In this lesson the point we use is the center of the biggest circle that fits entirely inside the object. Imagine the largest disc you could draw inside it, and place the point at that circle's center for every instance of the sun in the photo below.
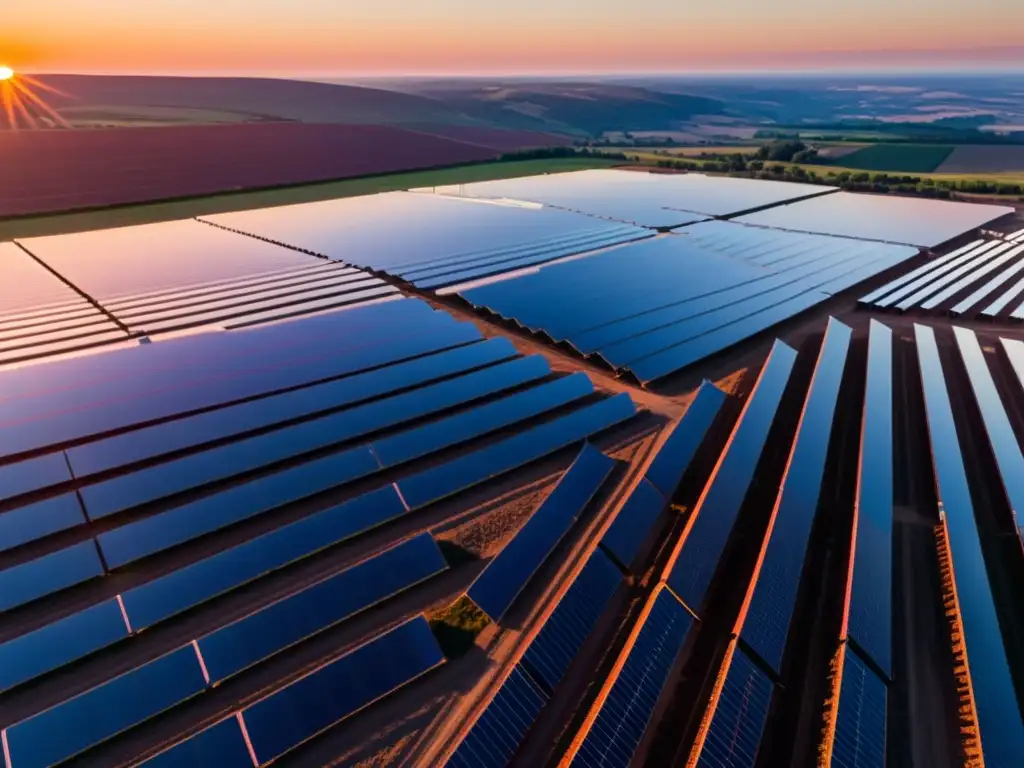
(6, 73)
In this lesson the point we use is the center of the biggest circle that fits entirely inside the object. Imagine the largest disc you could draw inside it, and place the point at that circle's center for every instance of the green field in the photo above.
(897, 158)
(239, 201)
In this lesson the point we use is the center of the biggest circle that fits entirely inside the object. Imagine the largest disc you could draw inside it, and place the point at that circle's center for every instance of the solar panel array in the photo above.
(440, 241)
(654, 308)
(982, 279)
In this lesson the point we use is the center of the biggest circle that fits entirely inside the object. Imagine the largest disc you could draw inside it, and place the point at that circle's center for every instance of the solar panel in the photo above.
(150, 535)
(693, 563)
(51, 573)
(999, 719)
(939, 269)
(216, 464)
(196, 583)
(766, 626)
(559, 640)
(90, 718)
(239, 645)
(973, 274)
(987, 288)
(338, 690)
(444, 433)
(740, 712)
(498, 732)
(24, 524)
(1000, 433)
(870, 615)
(460, 474)
(61, 642)
(859, 739)
(192, 431)
(676, 453)
(1008, 296)
(924, 269)
(633, 523)
(624, 713)
(507, 575)
(219, 746)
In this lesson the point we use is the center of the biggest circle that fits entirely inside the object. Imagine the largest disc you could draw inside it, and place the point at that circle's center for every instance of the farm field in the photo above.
(898, 158)
(984, 159)
(239, 201)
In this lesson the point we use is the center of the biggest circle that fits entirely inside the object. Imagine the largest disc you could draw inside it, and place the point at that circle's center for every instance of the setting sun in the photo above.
(6, 73)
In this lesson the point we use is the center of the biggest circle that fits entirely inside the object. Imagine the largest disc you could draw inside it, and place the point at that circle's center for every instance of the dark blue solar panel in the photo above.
(194, 584)
(496, 735)
(734, 737)
(498, 732)
(92, 717)
(33, 475)
(316, 702)
(154, 534)
(632, 525)
(999, 719)
(24, 524)
(462, 473)
(771, 608)
(556, 645)
(678, 451)
(465, 426)
(620, 724)
(859, 740)
(160, 380)
(870, 618)
(48, 574)
(219, 746)
(264, 450)
(997, 425)
(60, 643)
(873, 297)
(695, 563)
(271, 630)
(495, 589)
(157, 440)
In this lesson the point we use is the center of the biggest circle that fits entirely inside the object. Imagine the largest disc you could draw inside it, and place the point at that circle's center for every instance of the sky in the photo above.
(416, 37)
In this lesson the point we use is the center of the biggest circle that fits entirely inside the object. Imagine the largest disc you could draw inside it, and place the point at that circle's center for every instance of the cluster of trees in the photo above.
(546, 153)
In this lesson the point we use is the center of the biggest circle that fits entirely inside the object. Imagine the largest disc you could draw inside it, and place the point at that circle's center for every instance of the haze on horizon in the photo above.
(391, 37)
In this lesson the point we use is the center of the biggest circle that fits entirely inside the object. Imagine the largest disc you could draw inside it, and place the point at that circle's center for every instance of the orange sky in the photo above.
(417, 36)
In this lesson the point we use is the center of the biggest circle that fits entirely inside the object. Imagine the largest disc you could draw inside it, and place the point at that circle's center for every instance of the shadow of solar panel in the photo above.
(997, 424)
(192, 431)
(60, 643)
(874, 296)
(460, 474)
(624, 714)
(860, 724)
(154, 534)
(870, 615)
(48, 574)
(95, 716)
(694, 562)
(771, 608)
(556, 645)
(498, 732)
(264, 450)
(33, 475)
(999, 719)
(481, 420)
(169, 378)
(314, 703)
(678, 451)
(298, 617)
(734, 737)
(507, 575)
(633, 523)
(194, 584)
(219, 746)
(24, 524)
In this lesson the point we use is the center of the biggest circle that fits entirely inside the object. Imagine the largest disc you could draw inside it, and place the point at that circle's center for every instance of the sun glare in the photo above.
(6, 73)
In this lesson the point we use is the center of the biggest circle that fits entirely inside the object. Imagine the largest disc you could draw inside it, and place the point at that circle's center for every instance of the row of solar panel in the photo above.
(500, 729)
(259, 734)
(859, 737)
(998, 716)
(674, 317)
(938, 282)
